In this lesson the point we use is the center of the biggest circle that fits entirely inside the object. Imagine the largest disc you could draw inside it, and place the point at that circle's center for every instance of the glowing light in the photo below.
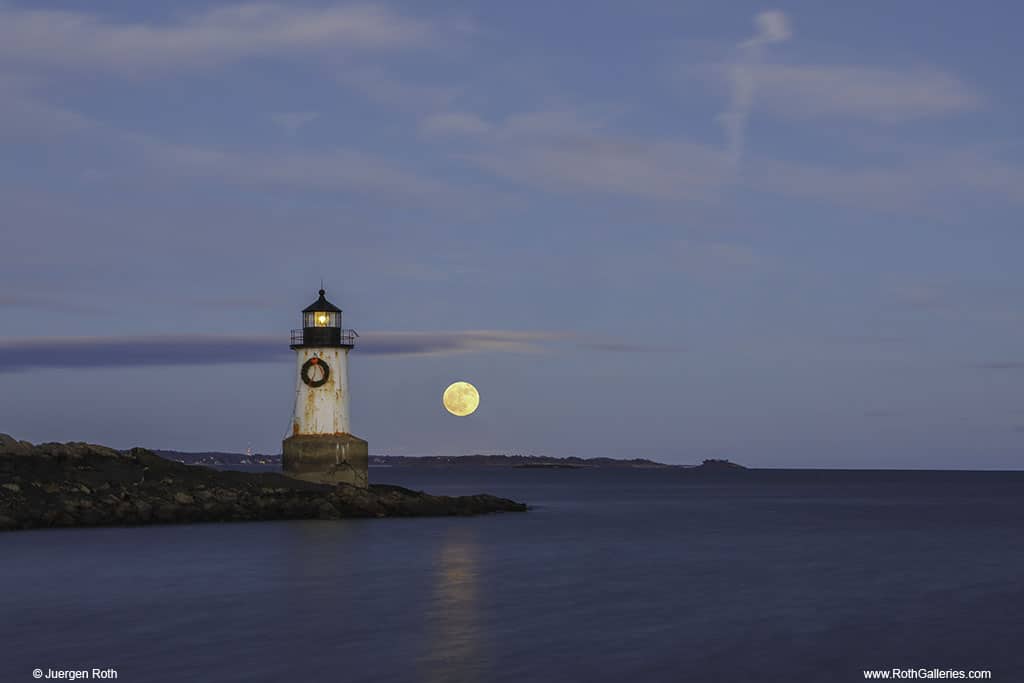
(461, 398)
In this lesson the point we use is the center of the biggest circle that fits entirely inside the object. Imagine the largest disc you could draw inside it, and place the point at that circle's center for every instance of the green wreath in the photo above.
(315, 382)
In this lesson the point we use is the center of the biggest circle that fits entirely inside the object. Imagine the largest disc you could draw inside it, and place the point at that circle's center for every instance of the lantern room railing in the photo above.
(323, 336)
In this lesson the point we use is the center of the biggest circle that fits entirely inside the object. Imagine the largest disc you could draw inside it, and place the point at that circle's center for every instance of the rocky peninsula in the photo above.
(79, 484)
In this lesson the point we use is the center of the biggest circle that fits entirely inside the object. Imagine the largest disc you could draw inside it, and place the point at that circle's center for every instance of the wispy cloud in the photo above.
(470, 341)
(384, 87)
(198, 349)
(95, 352)
(567, 151)
(454, 123)
(564, 124)
(1001, 365)
(925, 183)
(885, 95)
(108, 352)
(340, 169)
(25, 117)
(233, 302)
(77, 40)
(669, 170)
(882, 95)
(48, 303)
(771, 27)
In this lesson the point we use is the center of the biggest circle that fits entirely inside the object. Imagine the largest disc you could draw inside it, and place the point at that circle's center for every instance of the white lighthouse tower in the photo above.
(321, 447)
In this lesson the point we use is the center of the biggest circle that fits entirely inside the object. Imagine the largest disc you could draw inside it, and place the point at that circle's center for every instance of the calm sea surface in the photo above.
(638, 575)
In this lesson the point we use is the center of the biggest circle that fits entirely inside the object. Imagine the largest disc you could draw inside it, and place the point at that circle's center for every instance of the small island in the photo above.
(80, 484)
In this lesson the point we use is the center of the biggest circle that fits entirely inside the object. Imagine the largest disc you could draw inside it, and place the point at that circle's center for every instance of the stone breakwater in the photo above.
(78, 484)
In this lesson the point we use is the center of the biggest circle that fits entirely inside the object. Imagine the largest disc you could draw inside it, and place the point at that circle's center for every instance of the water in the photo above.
(639, 575)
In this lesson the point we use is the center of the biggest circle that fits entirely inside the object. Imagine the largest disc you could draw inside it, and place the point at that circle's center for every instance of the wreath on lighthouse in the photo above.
(315, 368)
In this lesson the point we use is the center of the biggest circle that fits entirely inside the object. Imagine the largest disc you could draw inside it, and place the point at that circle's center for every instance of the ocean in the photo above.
(614, 575)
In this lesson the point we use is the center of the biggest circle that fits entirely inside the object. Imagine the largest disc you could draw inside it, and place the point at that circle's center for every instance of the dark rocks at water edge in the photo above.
(78, 484)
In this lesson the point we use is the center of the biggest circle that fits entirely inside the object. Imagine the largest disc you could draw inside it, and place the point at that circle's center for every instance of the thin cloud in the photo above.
(79, 40)
(549, 124)
(28, 301)
(454, 123)
(922, 183)
(441, 343)
(531, 126)
(110, 352)
(669, 170)
(772, 27)
(24, 117)
(384, 87)
(880, 95)
(328, 170)
(175, 350)
(874, 94)
(562, 151)
(1000, 365)
(100, 352)
(234, 302)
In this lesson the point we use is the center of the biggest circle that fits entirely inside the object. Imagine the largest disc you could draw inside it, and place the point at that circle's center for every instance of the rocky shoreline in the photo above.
(79, 484)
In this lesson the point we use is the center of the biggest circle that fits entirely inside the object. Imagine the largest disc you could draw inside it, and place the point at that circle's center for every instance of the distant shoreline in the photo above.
(484, 460)
(537, 462)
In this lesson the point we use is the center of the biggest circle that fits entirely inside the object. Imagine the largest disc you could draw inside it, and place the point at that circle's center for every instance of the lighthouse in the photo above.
(320, 446)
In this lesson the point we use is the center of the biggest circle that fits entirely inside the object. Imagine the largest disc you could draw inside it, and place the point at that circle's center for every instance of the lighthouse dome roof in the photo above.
(321, 305)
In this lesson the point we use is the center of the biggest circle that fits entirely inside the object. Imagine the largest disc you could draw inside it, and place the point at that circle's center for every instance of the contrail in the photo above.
(772, 27)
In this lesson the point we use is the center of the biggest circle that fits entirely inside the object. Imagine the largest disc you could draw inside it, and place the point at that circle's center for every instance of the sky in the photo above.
(788, 235)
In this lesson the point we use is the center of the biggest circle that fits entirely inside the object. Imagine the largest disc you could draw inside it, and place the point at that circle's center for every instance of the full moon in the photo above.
(461, 398)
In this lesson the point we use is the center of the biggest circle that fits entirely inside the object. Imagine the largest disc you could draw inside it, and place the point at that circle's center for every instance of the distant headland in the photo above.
(479, 460)
(79, 484)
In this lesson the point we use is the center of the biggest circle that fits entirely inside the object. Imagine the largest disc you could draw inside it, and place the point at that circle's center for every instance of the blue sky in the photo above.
(787, 234)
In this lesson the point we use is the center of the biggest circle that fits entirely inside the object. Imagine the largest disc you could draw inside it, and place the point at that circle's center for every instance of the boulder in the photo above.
(11, 446)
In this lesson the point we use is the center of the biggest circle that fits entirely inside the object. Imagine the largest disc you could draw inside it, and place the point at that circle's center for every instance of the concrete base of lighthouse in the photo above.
(327, 459)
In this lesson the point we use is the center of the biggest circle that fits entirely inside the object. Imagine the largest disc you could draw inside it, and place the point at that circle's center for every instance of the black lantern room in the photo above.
(321, 326)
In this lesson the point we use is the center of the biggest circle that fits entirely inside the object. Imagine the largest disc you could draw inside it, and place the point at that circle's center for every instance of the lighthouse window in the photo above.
(320, 319)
